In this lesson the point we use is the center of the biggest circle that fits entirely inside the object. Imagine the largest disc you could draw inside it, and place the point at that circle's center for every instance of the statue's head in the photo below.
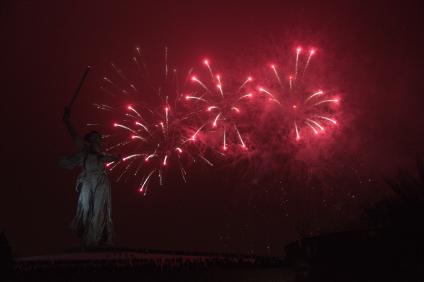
(93, 138)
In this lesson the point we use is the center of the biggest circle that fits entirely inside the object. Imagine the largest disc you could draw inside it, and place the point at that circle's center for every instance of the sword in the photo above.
(78, 89)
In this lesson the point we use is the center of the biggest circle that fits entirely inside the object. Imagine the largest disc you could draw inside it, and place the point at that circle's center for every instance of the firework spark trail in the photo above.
(188, 97)
(143, 126)
(165, 160)
(206, 62)
(240, 138)
(141, 59)
(327, 101)
(249, 79)
(248, 95)
(266, 91)
(224, 146)
(109, 164)
(138, 137)
(113, 165)
(125, 170)
(134, 88)
(316, 123)
(119, 72)
(300, 106)
(117, 145)
(298, 50)
(210, 108)
(276, 75)
(138, 51)
(130, 157)
(143, 184)
(312, 127)
(308, 60)
(215, 121)
(124, 127)
(314, 95)
(219, 86)
(206, 160)
(166, 114)
(135, 111)
(103, 107)
(329, 119)
(201, 83)
(237, 110)
(160, 176)
(297, 131)
(193, 137)
(137, 64)
(183, 173)
(107, 79)
(188, 77)
(110, 93)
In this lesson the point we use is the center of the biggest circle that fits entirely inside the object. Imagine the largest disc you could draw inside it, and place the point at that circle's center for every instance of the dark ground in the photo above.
(368, 255)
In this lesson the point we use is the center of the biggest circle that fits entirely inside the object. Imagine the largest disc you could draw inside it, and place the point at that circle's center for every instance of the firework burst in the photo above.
(306, 109)
(222, 104)
(152, 139)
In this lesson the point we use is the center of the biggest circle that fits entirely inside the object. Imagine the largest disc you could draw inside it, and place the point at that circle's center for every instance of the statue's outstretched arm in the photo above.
(73, 160)
(79, 143)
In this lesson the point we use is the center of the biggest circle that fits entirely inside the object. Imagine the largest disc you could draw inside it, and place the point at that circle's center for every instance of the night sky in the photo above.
(372, 53)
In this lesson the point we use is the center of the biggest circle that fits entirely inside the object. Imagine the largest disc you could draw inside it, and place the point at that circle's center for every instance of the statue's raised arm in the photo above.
(78, 141)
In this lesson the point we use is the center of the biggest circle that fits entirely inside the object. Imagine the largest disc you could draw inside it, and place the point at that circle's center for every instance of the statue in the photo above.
(93, 219)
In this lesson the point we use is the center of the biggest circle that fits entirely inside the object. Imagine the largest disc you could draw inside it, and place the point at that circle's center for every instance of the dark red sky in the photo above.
(375, 51)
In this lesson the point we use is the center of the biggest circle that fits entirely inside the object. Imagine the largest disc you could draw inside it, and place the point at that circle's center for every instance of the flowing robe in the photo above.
(93, 220)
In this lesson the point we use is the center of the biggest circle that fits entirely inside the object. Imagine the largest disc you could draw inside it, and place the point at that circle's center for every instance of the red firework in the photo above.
(222, 104)
(151, 139)
(306, 109)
